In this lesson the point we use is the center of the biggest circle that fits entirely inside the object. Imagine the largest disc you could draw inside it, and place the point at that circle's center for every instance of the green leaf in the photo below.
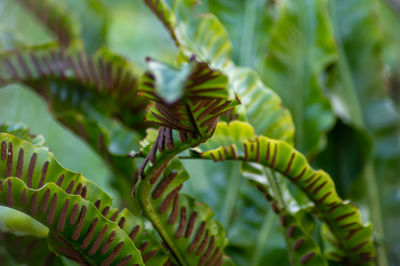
(21, 131)
(74, 221)
(185, 225)
(36, 167)
(343, 219)
(300, 49)
(197, 97)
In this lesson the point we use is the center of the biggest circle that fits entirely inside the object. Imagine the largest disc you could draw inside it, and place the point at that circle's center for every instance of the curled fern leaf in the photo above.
(186, 226)
(189, 100)
(237, 141)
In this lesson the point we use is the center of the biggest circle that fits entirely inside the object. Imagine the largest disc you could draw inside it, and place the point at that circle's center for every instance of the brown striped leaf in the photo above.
(77, 223)
(36, 167)
(238, 141)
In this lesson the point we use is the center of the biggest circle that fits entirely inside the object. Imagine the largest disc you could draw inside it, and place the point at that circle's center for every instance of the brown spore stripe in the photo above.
(24, 199)
(89, 235)
(359, 246)
(148, 255)
(3, 150)
(297, 178)
(112, 255)
(296, 245)
(70, 187)
(334, 206)
(289, 164)
(84, 192)
(20, 163)
(97, 203)
(79, 225)
(63, 216)
(234, 154)
(315, 191)
(34, 203)
(134, 232)
(161, 138)
(190, 227)
(142, 166)
(347, 225)
(78, 189)
(353, 232)
(337, 219)
(220, 260)
(105, 210)
(60, 180)
(31, 169)
(9, 195)
(43, 174)
(121, 222)
(306, 258)
(169, 142)
(36, 64)
(291, 230)
(23, 65)
(125, 261)
(152, 153)
(310, 186)
(52, 209)
(214, 257)
(45, 201)
(143, 247)
(203, 244)
(320, 200)
(97, 241)
(74, 214)
(11, 69)
(283, 219)
(174, 211)
(163, 185)
(207, 254)
(9, 160)
(167, 201)
(114, 216)
(197, 237)
(246, 152)
(182, 224)
(273, 162)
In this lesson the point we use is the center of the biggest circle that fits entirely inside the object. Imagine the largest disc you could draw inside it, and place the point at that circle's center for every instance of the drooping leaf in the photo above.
(300, 48)
(238, 141)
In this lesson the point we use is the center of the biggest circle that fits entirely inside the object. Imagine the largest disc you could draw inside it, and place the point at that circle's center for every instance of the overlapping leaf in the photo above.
(36, 167)
(237, 141)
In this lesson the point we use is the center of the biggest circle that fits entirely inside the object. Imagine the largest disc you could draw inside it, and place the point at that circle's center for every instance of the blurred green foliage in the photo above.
(334, 63)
